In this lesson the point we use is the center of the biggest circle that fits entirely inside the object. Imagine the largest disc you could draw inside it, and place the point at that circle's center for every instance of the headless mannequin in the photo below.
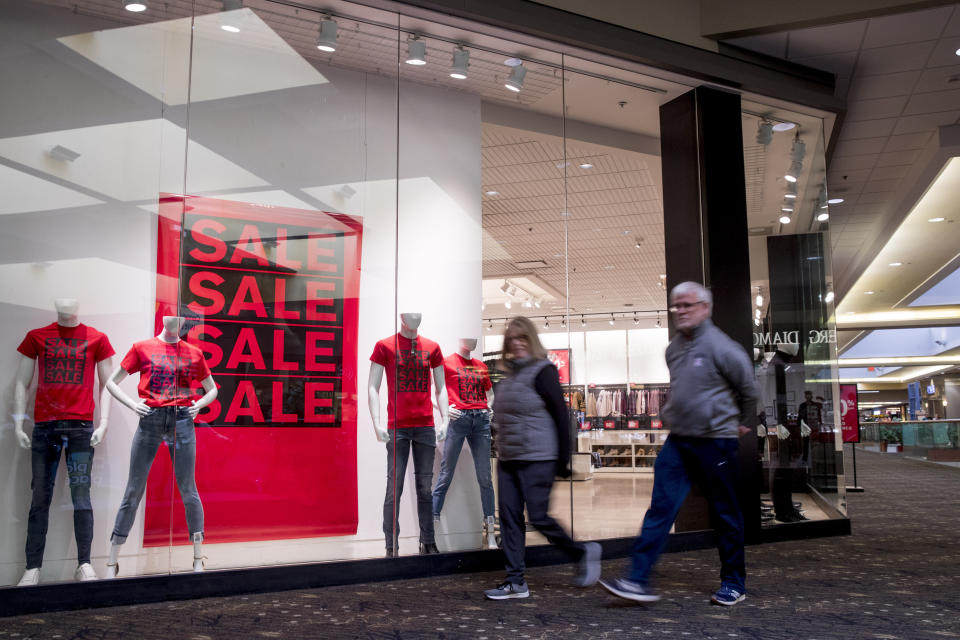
(409, 323)
(67, 316)
(170, 334)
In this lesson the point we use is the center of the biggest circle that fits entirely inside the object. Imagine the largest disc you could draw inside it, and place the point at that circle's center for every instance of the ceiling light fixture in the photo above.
(756, 321)
(757, 313)
(416, 51)
(515, 81)
(508, 304)
(834, 200)
(538, 302)
(759, 300)
(823, 217)
(764, 133)
(659, 326)
(936, 219)
(896, 264)
(461, 62)
(797, 152)
(136, 6)
(791, 193)
(869, 293)
(546, 322)
(787, 209)
(563, 323)
(586, 165)
(492, 193)
(327, 38)
(793, 172)
(636, 320)
(583, 322)
(227, 23)
(612, 319)
(783, 126)
(828, 297)
(784, 219)
(505, 287)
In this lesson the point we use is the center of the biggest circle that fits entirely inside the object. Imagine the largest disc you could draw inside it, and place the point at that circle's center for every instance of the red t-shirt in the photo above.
(467, 382)
(67, 358)
(414, 370)
(168, 372)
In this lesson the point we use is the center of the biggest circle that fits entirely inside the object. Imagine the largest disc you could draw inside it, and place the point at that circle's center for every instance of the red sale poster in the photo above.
(270, 296)
(849, 413)
(561, 360)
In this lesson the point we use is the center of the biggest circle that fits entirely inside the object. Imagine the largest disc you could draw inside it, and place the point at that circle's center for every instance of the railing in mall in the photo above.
(935, 439)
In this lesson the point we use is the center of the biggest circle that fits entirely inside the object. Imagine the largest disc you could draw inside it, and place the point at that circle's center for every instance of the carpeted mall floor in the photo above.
(896, 577)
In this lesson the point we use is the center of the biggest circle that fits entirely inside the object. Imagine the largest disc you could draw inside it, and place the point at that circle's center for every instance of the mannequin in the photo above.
(470, 394)
(67, 354)
(408, 360)
(167, 407)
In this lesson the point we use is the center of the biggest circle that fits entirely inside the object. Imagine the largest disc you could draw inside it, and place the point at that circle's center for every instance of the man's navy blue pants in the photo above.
(712, 463)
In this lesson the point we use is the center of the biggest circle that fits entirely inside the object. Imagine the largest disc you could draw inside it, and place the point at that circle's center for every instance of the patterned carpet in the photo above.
(897, 577)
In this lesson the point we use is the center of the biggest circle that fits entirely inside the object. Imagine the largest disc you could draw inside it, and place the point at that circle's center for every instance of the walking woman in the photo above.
(533, 446)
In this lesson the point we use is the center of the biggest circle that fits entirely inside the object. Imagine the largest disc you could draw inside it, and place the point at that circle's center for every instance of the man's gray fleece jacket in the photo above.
(712, 386)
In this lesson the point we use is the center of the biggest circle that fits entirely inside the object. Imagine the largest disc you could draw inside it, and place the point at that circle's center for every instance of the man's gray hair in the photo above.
(701, 292)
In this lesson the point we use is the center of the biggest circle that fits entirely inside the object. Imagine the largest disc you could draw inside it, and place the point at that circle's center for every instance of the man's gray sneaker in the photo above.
(630, 590)
(508, 590)
(589, 570)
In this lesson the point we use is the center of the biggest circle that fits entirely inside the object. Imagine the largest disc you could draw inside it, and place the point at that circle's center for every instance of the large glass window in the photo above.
(291, 239)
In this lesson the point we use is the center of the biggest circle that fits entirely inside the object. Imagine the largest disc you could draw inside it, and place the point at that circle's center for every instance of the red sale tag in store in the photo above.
(655, 423)
(633, 424)
(270, 296)
(609, 424)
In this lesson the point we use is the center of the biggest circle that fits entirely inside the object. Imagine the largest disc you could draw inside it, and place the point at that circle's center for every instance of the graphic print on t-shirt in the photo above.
(63, 360)
(413, 371)
(163, 375)
(471, 385)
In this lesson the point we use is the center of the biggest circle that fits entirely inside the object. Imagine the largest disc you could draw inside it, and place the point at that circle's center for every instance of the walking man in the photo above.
(712, 394)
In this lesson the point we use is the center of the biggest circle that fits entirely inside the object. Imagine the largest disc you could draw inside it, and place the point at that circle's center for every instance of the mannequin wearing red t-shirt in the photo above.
(67, 354)
(471, 397)
(170, 370)
(408, 360)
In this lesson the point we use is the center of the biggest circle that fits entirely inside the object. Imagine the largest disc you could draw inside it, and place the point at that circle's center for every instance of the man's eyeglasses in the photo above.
(683, 306)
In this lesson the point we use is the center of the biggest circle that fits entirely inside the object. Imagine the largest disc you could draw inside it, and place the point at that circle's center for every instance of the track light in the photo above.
(783, 126)
(563, 323)
(791, 193)
(798, 151)
(757, 314)
(823, 217)
(527, 304)
(659, 326)
(612, 320)
(515, 81)
(636, 320)
(828, 297)
(490, 326)
(228, 23)
(787, 209)
(416, 51)
(784, 219)
(583, 322)
(136, 6)
(759, 300)
(327, 39)
(505, 287)
(546, 322)
(461, 62)
(764, 133)
(793, 172)
(508, 304)
(512, 292)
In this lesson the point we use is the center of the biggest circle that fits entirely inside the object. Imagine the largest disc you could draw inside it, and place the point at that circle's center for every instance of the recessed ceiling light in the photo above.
(896, 264)
(823, 217)
(492, 193)
(957, 52)
(834, 200)
(134, 5)
(787, 209)
(791, 196)
(230, 28)
(784, 219)
(936, 219)
(869, 293)
(783, 126)
(586, 165)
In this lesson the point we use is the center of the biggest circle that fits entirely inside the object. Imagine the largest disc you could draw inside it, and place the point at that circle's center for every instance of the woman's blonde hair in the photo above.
(525, 327)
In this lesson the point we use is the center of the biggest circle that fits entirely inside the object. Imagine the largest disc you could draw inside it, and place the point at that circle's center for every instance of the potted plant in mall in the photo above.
(891, 438)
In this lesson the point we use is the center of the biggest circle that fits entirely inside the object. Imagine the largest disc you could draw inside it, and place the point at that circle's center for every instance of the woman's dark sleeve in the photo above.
(547, 384)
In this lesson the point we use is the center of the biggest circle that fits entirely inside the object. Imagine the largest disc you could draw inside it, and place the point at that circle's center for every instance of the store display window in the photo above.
(259, 261)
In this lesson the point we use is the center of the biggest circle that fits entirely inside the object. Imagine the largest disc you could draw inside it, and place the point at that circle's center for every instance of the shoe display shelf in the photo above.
(623, 451)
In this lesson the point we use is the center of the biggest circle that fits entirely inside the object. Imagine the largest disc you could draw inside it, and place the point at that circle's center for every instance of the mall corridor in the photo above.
(896, 577)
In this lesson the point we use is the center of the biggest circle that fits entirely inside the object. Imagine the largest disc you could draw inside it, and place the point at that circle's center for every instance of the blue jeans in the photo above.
(423, 441)
(473, 425)
(174, 427)
(49, 440)
(712, 462)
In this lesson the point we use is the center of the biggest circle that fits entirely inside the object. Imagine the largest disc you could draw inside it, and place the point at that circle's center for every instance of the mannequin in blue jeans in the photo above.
(470, 395)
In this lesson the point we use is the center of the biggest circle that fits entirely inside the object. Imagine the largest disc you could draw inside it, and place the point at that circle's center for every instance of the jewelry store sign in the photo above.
(814, 336)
